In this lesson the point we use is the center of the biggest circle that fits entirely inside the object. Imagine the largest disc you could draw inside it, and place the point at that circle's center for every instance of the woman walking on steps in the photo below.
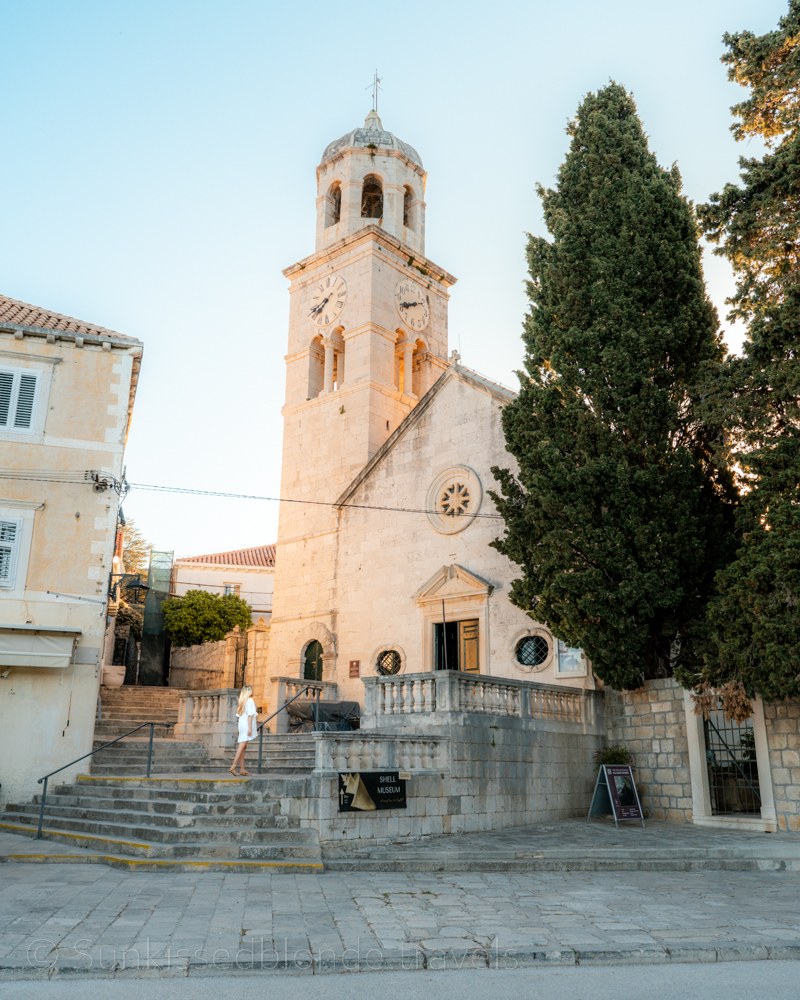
(246, 713)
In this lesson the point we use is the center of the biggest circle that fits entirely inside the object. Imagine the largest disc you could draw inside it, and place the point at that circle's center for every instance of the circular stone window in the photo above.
(388, 662)
(532, 651)
(454, 499)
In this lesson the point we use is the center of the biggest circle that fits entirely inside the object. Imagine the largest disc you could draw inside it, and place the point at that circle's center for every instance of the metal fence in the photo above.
(732, 770)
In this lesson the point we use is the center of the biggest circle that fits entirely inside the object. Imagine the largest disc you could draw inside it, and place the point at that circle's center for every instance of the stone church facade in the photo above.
(388, 592)
(396, 574)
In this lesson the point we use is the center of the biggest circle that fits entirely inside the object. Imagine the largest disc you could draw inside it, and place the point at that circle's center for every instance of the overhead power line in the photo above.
(103, 480)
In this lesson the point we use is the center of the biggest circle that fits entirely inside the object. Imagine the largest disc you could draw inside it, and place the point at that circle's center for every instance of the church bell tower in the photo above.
(367, 339)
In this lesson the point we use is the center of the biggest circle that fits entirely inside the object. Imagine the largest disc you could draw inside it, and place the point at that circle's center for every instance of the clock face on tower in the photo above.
(328, 300)
(412, 304)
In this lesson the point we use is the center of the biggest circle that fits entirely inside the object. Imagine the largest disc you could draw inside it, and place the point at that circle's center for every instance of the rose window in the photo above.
(455, 500)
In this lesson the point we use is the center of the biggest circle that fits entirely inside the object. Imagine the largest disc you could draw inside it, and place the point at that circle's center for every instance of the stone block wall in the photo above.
(501, 772)
(782, 721)
(651, 723)
(198, 668)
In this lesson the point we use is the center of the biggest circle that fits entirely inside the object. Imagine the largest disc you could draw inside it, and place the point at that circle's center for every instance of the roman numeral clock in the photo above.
(328, 300)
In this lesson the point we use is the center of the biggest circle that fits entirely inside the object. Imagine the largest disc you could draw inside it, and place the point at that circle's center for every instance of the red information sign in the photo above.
(355, 668)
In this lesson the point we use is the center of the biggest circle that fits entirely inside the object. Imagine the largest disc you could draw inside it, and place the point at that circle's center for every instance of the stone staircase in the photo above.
(186, 814)
(220, 824)
(124, 708)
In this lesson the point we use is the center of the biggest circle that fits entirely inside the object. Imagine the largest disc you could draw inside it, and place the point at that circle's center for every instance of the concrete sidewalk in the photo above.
(93, 920)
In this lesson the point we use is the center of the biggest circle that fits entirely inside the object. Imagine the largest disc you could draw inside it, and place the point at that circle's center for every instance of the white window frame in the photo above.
(582, 669)
(16, 376)
(42, 366)
(702, 814)
(18, 523)
(24, 512)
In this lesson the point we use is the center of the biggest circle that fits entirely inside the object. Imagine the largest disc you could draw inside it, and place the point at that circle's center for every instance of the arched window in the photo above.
(333, 205)
(408, 211)
(313, 664)
(316, 368)
(372, 198)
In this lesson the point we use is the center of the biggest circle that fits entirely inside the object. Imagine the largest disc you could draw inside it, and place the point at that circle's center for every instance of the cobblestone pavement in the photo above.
(104, 921)
(576, 837)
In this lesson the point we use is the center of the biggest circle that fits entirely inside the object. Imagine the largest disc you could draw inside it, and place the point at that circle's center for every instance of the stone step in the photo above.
(167, 808)
(57, 814)
(69, 818)
(138, 770)
(183, 790)
(285, 857)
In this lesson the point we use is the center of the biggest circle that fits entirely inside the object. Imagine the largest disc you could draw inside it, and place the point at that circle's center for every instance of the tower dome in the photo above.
(371, 135)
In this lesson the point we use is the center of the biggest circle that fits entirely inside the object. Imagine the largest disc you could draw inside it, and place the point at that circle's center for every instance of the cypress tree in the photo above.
(617, 516)
(755, 621)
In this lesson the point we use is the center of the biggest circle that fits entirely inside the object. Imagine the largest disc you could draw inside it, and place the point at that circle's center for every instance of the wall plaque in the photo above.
(355, 668)
(365, 791)
(615, 793)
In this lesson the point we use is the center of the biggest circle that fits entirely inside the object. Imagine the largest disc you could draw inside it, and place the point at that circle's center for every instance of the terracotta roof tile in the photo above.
(25, 314)
(261, 555)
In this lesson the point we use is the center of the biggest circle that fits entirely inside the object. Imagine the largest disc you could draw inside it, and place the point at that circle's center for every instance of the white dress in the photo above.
(244, 721)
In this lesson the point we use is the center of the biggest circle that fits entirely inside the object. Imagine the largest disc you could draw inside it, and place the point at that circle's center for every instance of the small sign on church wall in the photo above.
(355, 668)
(366, 791)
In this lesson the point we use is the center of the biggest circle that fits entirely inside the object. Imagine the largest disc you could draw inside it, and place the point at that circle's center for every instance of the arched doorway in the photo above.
(313, 661)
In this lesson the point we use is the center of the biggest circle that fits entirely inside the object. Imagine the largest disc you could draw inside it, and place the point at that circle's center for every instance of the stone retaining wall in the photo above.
(782, 722)
(651, 723)
(198, 667)
(491, 772)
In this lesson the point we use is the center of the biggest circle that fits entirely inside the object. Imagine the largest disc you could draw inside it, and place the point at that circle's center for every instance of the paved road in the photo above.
(95, 918)
(755, 980)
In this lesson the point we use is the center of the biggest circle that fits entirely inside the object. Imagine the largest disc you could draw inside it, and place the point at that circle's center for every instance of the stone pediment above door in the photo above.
(453, 582)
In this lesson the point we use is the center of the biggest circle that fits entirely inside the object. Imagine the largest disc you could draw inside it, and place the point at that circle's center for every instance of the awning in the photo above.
(27, 646)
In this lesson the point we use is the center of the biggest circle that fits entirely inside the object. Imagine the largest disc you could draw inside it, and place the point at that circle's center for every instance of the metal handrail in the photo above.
(277, 712)
(91, 753)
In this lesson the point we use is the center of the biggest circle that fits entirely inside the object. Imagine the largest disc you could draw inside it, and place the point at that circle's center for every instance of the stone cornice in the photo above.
(374, 234)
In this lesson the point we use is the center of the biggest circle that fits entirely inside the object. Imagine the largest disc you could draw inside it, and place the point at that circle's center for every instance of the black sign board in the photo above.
(364, 791)
(615, 793)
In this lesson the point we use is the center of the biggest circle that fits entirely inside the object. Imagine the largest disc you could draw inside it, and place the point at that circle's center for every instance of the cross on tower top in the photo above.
(375, 86)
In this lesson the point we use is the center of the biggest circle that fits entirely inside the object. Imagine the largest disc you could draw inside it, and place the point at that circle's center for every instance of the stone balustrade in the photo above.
(209, 716)
(286, 688)
(391, 700)
(414, 752)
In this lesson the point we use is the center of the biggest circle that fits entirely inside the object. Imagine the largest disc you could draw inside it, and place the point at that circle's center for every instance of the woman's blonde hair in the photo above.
(244, 694)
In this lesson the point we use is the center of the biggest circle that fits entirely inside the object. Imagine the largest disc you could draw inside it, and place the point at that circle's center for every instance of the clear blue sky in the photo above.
(158, 173)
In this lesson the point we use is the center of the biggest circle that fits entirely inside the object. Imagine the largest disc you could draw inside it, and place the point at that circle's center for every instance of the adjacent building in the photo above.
(67, 389)
(249, 573)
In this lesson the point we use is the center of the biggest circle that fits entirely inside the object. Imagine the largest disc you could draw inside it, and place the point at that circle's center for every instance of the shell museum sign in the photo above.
(365, 791)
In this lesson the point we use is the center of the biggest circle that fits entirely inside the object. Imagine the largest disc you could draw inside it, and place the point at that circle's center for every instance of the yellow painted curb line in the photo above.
(100, 777)
(160, 862)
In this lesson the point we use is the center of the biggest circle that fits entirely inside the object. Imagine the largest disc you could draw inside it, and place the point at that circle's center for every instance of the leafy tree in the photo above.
(202, 617)
(617, 517)
(135, 549)
(756, 224)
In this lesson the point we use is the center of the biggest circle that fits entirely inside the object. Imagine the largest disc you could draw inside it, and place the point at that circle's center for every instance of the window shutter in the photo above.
(9, 538)
(19, 390)
(6, 388)
(26, 397)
